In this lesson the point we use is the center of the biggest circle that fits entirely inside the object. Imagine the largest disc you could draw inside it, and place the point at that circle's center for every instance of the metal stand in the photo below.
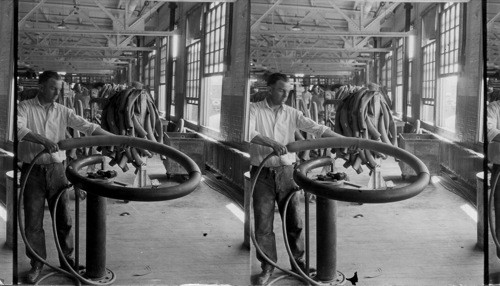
(96, 237)
(326, 241)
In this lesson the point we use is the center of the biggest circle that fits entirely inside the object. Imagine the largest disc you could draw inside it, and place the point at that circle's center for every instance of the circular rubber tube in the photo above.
(491, 203)
(358, 195)
(102, 188)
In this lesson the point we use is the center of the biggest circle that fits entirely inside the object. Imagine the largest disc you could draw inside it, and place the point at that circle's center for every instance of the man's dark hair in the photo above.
(46, 75)
(273, 78)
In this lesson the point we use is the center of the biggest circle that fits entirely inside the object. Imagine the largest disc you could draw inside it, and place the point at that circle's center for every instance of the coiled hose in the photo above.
(490, 206)
(301, 274)
(72, 273)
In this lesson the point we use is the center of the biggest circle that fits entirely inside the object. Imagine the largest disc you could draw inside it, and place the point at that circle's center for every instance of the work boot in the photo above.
(34, 273)
(264, 276)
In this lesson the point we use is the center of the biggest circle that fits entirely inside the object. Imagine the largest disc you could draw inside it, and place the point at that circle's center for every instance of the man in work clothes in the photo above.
(41, 123)
(272, 127)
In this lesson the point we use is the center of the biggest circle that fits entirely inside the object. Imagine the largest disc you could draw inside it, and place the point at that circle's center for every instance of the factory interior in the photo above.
(399, 200)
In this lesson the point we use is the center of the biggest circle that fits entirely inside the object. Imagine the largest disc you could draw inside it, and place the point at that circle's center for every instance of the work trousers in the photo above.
(275, 184)
(44, 183)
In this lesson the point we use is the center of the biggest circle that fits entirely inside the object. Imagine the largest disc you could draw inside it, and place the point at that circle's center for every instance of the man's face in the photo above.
(279, 92)
(50, 90)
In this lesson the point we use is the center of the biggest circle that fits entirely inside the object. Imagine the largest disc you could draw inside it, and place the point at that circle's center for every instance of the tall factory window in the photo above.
(193, 82)
(175, 43)
(146, 72)
(408, 102)
(162, 103)
(385, 74)
(398, 97)
(448, 65)
(215, 36)
(172, 100)
(429, 82)
(151, 83)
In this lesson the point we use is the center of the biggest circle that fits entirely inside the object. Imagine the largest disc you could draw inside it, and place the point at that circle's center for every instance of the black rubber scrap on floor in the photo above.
(353, 279)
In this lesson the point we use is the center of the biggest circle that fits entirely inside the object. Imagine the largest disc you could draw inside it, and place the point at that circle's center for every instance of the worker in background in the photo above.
(318, 97)
(82, 94)
(95, 100)
(306, 97)
(41, 123)
(272, 127)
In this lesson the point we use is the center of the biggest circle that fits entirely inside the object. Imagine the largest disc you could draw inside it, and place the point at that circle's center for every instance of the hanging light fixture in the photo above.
(62, 25)
(297, 27)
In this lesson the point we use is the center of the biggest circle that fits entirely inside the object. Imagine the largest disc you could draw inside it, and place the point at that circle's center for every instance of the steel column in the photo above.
(326, 239)
(96, 237)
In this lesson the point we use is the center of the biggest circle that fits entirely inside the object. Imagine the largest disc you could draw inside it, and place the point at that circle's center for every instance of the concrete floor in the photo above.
(426, 240)
(5, 251)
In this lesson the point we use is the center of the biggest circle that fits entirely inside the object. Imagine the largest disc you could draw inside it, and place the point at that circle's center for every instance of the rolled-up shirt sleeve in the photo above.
(493, 113)
(80, 124)
(252, 124)
(22, 128)
(310, 126)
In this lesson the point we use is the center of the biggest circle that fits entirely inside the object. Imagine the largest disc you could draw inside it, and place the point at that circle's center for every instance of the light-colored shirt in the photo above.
(306, 97)
(50, 122)
(279, 126)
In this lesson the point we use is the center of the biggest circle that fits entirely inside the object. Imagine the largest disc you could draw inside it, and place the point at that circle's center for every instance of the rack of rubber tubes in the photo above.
(129, 112)
(364, 112)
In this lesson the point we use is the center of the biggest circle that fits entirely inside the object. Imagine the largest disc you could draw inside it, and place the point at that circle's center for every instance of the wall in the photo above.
(457, 155)
(6, 70)
(221, 156)
(6, 94)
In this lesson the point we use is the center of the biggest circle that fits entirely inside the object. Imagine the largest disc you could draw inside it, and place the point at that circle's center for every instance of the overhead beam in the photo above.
(21, 22)
(271, 9)
(77, 57)
(490, 22)
(45, 60)
(346, 17)
(326, 49)
(144, 49)
(188, 1)
(62, 4)
(144, 16)
(111, 16)
(382, 15)
(101, 32)
(338, 33)
(420, 1)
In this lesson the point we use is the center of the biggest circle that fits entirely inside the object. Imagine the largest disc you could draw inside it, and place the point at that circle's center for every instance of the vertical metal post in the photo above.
(170, 61)
(307, 196)
(326, 239)
(406, 62)
(96, 236)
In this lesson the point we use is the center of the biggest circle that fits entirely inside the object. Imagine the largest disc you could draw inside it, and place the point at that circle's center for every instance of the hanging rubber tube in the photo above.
(359, 195)
(343, 142)
(125, 193)
(21, 224)
(491, 203)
